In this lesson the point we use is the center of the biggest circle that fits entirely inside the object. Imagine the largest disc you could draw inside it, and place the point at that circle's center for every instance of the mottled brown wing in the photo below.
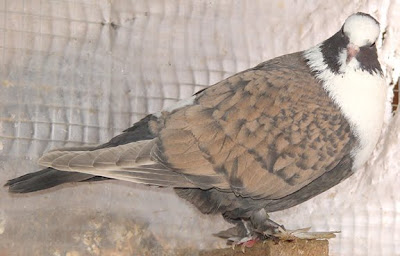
(263, 133)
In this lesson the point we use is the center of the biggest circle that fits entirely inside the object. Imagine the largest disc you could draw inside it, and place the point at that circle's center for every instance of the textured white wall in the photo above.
(79, 72)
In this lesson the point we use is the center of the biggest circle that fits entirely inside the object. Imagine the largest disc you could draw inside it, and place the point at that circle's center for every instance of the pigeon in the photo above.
(263, 140)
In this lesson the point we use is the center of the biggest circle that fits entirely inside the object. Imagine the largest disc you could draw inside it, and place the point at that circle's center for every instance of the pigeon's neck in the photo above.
(359, 94)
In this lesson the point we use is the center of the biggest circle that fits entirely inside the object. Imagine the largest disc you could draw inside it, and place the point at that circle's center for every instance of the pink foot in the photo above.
(245, 242)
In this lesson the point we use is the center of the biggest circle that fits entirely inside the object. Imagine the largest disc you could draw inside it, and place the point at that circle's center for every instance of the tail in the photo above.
(130, 162)
(44, 179)
(58, 172)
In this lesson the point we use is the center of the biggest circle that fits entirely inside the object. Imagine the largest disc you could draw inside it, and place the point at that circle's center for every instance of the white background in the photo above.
(79, 72)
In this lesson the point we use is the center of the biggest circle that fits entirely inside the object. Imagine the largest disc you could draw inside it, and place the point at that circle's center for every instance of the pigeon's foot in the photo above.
(243, 235)
(244, 242)
(248, 231)
(260, 228)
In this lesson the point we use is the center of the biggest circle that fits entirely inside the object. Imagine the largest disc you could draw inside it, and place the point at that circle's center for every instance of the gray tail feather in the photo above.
(46, 178)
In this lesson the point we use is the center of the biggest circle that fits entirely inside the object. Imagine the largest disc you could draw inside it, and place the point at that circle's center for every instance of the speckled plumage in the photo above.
(257, 134)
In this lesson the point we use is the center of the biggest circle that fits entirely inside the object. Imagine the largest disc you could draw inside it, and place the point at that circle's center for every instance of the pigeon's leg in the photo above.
(263, 224)
(242, 234)
(248, 238)
(250, 230)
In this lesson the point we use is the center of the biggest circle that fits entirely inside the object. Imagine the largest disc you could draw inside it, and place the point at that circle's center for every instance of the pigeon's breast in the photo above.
(361, 97)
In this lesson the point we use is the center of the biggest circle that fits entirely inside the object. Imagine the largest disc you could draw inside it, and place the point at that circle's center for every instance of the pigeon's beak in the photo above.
(352, 51)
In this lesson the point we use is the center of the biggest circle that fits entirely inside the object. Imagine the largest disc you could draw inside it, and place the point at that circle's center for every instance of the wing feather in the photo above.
(265, 132)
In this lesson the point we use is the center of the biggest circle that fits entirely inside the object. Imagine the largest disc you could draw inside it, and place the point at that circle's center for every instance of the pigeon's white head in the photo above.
(361, 29)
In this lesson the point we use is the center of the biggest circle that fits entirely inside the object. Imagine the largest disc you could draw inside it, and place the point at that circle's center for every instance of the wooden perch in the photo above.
(278, 248)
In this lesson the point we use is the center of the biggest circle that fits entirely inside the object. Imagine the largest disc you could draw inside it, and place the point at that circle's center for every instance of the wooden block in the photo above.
(279, 248)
